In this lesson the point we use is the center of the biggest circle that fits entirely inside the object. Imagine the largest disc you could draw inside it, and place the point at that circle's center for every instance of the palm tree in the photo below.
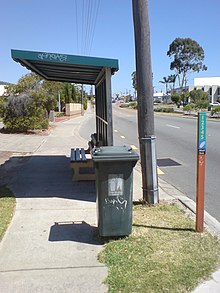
(165, 81)
(172, 79)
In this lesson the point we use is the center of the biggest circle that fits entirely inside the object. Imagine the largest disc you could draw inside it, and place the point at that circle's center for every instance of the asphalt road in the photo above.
(176, 151)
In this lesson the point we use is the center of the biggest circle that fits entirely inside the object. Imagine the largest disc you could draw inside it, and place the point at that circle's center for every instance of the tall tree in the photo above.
(188, 56)
(172, 80)
(165, 81)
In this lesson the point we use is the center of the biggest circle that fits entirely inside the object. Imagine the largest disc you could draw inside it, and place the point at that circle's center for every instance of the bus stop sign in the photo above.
(202, 133)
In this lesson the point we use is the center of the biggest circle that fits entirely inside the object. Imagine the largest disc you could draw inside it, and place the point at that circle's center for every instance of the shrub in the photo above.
(164, 110)
(215, 110)
(2, 106)
(21, 113)
(85, 104)
(60, 114)
(124, 105)
(43, 124)
(188, 108)
(133, 105)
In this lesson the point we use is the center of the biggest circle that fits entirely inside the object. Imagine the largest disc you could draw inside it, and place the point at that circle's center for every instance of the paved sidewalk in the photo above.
(52, 243)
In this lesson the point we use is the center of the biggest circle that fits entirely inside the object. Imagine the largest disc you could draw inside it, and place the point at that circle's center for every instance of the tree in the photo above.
(47, 94)
(200, 99)
(43, 91)
(188, 57)
(71, 93)
(165, 81)
(172, 80)
(26, 83)
(176, 98)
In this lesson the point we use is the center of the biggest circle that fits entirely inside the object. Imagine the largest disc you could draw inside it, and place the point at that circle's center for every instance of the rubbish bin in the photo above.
(114, 188)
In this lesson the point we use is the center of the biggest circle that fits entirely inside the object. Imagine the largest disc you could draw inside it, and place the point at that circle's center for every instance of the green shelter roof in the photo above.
(63, 67)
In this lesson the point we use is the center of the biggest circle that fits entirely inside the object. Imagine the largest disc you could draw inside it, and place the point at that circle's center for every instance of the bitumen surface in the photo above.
(52, 243)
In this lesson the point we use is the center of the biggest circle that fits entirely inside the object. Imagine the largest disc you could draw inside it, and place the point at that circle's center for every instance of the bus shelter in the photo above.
(81, 70)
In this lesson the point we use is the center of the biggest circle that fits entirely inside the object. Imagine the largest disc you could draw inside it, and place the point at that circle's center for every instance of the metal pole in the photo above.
(147, 139)
(59, 106)
(200, 179)
(82, 106)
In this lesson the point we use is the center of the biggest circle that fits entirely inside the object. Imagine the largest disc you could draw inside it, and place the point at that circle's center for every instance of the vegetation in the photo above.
(133, 105)
(188, 57)
(2, 105)
(22, 113)
(189, 108)
(176, 98)
(85, 104)
(27, 104)
(164, 110)
(215, 111)
(165, 81)
(163, 254)
(200, 99)
(7, 207)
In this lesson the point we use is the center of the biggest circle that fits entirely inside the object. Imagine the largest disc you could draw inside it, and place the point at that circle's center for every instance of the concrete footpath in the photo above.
(52, 243)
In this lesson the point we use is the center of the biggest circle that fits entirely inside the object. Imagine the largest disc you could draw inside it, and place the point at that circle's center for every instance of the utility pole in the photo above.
(147, 139)
(82, 101)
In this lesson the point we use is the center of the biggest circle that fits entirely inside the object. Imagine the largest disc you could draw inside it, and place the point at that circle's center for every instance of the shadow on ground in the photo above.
(78, 231)
(44, 177)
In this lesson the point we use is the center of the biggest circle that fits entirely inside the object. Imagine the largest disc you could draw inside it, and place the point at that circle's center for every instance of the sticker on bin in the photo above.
(115, 185)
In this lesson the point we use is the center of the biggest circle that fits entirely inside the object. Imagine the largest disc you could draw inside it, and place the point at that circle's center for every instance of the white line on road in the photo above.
(116, 130)
(173, 126)
(122, 136)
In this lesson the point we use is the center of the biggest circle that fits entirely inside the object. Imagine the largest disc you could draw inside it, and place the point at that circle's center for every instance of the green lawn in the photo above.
(163, 254)
(7, 207)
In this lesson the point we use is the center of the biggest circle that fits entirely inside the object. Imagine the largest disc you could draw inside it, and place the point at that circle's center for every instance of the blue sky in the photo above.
(54, 26)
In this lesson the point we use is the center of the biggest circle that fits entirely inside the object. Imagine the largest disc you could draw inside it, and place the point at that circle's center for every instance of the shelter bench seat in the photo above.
(82, 165)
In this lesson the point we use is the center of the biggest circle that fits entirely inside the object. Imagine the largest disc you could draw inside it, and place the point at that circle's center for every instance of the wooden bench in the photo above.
(82, 165)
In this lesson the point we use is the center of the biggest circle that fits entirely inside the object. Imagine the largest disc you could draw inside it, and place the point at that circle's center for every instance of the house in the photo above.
(2, 87)
(160, 97)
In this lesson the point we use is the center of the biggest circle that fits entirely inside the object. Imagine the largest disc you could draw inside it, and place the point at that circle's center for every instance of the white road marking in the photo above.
(173, 126)
(122, 136)
(116, 130)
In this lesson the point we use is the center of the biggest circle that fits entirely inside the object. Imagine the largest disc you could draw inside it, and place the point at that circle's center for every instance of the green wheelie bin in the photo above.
(114, 188)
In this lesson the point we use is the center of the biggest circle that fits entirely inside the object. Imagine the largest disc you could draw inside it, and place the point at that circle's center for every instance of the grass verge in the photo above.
(163, 254)
(7, 207)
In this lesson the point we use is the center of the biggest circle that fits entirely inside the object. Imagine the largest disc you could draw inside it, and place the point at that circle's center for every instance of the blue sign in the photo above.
(202, 132)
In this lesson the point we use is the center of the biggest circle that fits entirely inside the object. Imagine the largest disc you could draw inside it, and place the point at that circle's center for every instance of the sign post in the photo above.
(200, 184)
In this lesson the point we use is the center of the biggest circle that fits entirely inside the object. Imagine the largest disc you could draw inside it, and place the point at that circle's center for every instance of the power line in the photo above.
(94, 26)
(77, 35)
(86, 14)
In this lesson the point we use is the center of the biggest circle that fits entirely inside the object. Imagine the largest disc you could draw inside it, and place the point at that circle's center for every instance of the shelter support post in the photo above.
(104, 127)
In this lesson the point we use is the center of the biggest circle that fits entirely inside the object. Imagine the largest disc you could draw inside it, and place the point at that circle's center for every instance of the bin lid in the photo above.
(114, 153)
